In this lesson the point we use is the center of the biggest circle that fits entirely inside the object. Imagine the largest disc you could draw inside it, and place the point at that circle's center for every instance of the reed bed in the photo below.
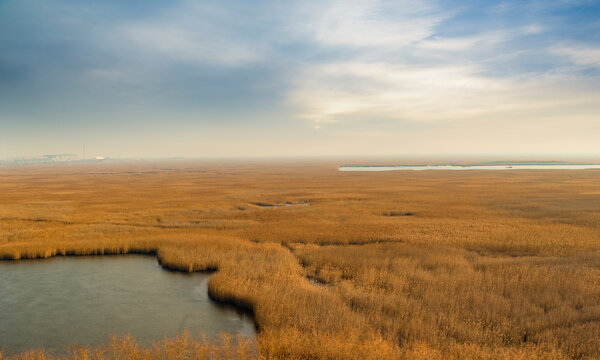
(395, 265)
(180, 347)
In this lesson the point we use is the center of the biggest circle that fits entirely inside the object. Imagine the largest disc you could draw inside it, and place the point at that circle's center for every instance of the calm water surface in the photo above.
(83, 300)
(472, 167)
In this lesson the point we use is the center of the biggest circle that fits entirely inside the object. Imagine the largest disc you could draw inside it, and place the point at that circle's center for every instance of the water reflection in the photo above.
(84, 300)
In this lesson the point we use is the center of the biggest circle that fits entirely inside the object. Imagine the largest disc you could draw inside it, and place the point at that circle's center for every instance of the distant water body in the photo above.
(61, 301)
(471, 167)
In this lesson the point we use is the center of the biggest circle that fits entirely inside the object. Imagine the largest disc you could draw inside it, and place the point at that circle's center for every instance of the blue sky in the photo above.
(319, 78)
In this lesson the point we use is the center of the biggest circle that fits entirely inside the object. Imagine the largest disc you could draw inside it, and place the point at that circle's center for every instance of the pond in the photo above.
(60, 301)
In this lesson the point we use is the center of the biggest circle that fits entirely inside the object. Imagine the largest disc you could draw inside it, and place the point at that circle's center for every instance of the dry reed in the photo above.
(481, 264)
(180, 347)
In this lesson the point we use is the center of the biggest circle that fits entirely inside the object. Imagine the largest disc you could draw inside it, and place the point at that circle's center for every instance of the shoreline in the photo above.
(235, 304)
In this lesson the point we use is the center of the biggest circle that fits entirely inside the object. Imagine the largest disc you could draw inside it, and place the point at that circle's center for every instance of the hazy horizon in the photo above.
(153, 79)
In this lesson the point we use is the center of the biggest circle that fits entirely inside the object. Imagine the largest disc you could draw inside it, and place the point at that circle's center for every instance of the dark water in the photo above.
(84, 300)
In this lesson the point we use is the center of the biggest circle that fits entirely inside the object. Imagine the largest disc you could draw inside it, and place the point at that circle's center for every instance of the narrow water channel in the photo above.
(471, 167)
(57, 302)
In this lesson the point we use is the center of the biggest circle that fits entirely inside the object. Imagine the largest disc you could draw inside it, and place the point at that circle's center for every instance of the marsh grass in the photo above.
(490, 265)
(180, 347)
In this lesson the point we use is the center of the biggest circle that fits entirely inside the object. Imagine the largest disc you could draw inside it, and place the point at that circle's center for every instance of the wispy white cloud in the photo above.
(192, 32)
(369, 23)
(406, 72)
(446, 93)
(360, 71)
(187, 33)
(580, 54)
(466, 43)
(145, 53)
(450, 44)
(186, 44)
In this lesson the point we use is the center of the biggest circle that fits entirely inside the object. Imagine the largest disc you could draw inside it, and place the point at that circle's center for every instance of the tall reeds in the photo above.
(180, 347)
(489, 265)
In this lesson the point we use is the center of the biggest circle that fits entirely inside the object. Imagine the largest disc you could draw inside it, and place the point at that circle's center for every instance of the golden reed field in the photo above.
(379, 265)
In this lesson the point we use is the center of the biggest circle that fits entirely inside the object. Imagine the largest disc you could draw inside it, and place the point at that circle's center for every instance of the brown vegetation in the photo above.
(181, 347)
(488, 265)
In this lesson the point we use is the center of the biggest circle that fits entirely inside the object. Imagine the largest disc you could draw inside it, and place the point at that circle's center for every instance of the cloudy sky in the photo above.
(158, 78)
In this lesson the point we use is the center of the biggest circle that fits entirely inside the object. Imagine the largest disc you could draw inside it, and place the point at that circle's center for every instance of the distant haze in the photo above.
(306, 78)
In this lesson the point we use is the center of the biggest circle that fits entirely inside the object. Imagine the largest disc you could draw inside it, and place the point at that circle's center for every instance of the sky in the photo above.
(158, 78)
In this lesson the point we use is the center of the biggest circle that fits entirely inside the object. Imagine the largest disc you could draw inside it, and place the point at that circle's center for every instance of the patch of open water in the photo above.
(56, 302)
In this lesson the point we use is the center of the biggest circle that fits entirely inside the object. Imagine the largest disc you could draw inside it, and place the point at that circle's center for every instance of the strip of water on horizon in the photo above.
(470, 167)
